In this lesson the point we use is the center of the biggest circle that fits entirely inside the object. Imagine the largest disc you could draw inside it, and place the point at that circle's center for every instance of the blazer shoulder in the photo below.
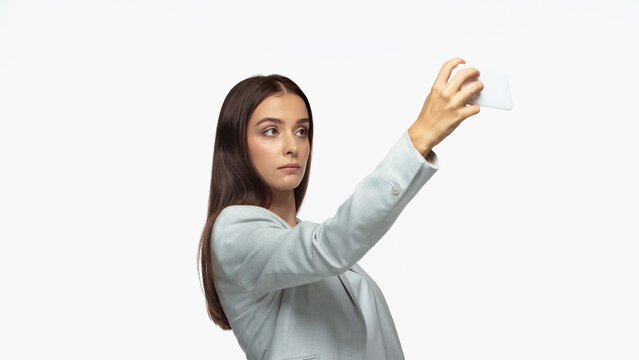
(234, 216)
(241, 211)
(235, 219)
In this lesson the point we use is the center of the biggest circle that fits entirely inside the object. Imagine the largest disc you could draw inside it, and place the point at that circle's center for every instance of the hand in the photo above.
(445, 107)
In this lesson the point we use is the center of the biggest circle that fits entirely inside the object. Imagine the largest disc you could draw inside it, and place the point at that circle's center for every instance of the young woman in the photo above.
(292, 289)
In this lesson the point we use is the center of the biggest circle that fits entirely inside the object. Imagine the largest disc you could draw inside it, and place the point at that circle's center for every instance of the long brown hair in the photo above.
(234, 180)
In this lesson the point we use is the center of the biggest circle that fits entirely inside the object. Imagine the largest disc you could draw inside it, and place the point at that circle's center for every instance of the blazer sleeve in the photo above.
(259, 251)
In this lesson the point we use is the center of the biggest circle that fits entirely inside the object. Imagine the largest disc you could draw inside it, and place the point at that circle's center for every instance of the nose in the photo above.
(290, 144)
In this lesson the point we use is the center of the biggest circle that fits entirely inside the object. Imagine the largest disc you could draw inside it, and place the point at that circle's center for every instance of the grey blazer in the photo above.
(283, 289)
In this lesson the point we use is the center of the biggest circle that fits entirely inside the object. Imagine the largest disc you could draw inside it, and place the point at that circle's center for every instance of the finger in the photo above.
(469, 110)
(460, 78)
(447, 68)
(461, 97)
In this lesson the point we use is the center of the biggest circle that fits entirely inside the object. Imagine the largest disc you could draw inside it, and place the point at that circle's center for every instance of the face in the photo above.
(273, 144)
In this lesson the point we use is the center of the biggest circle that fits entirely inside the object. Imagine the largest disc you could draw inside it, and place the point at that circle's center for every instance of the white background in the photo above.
(524, 244)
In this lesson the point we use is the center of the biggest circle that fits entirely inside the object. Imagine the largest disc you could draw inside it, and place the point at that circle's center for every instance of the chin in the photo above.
(287, 186)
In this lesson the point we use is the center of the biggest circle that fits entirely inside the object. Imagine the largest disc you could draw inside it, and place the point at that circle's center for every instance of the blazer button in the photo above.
(395, 189)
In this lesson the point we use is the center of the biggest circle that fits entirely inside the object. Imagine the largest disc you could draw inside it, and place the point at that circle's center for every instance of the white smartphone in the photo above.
(496, 91)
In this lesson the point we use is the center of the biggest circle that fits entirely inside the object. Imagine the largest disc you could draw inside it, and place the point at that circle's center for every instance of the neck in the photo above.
(284, 206)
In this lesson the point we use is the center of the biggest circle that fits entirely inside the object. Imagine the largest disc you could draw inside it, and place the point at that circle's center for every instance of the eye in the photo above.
(305, 131)
(267, 130)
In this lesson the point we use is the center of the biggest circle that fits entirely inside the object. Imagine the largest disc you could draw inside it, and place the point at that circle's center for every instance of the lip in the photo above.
(289, 166)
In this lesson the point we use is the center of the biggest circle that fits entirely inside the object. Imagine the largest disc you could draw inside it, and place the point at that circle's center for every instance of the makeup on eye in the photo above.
(273, 128)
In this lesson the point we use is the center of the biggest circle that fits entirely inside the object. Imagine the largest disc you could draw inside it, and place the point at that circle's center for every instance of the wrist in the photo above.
(421, 142)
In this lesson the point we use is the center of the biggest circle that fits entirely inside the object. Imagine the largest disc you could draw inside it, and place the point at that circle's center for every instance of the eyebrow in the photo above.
(279, 121)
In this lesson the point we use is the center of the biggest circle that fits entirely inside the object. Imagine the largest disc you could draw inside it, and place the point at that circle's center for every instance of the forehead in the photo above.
(288, 108)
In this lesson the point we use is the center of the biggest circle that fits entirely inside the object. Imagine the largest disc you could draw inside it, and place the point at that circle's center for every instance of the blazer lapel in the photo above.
(349, 289)
(344, 280)
(358, 269)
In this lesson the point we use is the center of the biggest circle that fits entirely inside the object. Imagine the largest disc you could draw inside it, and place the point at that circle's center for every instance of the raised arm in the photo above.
(260, 252)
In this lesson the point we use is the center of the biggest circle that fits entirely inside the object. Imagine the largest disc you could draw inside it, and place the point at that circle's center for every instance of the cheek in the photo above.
(307, 151)
(263, 155)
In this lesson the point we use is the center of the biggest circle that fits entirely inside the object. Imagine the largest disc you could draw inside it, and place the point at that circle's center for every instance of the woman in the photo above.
(292, 289)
